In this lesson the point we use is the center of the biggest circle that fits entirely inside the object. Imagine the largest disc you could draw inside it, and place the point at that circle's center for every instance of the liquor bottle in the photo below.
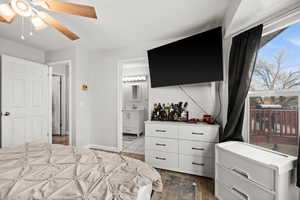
(154, 112)
(185, 113)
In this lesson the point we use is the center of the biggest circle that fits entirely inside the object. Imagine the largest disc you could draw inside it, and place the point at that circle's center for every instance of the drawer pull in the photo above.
(199, 164)
(245, 196)
(163, 145)
(161, 131)
(198, 149)
(197, 133)
(240, 172)
(158, 158)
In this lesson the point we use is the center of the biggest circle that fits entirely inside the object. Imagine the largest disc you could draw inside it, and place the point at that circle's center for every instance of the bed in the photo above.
(49, 171)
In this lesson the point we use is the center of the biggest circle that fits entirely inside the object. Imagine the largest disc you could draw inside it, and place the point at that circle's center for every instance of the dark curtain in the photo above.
(242, 60)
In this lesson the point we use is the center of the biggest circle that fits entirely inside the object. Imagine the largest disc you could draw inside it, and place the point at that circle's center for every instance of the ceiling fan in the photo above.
(40, 19)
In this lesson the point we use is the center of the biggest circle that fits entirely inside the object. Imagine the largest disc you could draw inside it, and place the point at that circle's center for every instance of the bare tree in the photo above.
(275, 75)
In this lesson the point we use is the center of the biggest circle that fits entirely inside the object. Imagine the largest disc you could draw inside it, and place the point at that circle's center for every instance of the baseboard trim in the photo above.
(101, 147)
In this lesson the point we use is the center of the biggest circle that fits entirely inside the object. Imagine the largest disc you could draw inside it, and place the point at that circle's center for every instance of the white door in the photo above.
(24, 102)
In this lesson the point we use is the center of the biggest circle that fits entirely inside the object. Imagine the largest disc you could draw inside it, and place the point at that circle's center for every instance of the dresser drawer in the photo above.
(203, 133)
(161, 144)
(223, 193)
(198, 165)
(196, 148)
(162, 160)
(240, 186)
(165, 131)
(251, 170)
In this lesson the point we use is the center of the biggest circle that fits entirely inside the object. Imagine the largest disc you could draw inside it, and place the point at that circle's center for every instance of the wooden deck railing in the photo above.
(277, 126)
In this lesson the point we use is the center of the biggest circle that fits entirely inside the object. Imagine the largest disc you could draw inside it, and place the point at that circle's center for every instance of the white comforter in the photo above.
(56, 172)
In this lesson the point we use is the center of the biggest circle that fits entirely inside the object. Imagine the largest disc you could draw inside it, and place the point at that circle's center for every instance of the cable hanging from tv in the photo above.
(198, 105)
(193, 100)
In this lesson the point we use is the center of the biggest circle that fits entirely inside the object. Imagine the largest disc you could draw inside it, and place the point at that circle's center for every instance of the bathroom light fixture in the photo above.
(134, 78)
(7, 12)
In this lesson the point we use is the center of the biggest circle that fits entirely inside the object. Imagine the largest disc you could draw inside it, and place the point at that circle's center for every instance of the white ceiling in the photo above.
(123, 23)
(249, 12)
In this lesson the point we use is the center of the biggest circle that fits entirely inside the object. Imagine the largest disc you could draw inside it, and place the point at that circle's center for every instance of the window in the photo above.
(273, 99)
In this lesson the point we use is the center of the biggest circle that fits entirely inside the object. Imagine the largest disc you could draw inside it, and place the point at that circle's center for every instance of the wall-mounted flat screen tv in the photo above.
(195, 59)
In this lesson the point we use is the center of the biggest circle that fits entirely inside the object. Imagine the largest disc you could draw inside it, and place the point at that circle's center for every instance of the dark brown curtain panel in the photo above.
(242, 60)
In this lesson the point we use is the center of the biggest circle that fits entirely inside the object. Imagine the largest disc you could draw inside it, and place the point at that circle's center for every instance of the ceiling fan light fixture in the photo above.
(21, 7)
(40, 19)
(38, 23)
(7, 12)
(44, 5)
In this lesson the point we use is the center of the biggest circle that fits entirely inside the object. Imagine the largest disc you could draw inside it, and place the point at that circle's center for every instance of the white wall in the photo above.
(103, 88)
(15, 49)
(136, 70)
(83, 99)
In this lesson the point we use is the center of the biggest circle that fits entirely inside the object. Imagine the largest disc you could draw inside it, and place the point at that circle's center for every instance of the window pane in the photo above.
(272, 114)
(274, 122)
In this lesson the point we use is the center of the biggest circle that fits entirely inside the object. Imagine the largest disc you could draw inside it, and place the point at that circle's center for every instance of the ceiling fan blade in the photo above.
(71, 8)
(61, 28)
(7, 15)
(3, 20)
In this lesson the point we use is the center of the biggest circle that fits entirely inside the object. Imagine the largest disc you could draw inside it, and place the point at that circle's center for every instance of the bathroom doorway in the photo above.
(133, 105)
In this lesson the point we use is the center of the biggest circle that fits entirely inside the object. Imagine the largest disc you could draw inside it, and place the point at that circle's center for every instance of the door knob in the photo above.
(6, 114)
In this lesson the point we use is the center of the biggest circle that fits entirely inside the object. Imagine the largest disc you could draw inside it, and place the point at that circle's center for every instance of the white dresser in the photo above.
(183, 147)
(249, 172)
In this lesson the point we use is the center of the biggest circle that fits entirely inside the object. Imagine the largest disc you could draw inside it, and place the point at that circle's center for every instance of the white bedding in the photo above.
(144, 193)
(43, 171)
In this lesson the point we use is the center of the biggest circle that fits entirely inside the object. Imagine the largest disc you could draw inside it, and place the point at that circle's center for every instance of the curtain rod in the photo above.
(268, 21)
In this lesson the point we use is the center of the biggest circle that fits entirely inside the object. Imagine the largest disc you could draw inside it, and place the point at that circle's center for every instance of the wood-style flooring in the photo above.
(56, 139)
(205, 186)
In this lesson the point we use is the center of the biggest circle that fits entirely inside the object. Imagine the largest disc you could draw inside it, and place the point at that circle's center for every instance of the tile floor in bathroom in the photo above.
(134, 144)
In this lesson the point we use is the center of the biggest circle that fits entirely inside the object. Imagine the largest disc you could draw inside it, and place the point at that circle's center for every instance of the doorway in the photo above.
(133, 105)
(61, 103)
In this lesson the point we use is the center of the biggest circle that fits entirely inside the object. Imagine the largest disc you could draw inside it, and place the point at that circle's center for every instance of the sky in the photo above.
(289, 41)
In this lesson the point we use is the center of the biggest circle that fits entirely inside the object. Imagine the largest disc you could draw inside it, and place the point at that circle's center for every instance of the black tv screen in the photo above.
(195, 59)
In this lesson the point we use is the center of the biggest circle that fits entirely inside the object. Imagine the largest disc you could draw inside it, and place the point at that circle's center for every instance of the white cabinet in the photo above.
(133, 121)
(246, 171)
(182, 147)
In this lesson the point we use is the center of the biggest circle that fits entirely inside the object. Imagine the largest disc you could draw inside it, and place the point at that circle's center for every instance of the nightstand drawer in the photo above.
(251, 170)
(224, 193)
(161, 144)
(162, 160)
(165, 131)
(196, 148)
(204, 133)
(240, 186)
(198, 165)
